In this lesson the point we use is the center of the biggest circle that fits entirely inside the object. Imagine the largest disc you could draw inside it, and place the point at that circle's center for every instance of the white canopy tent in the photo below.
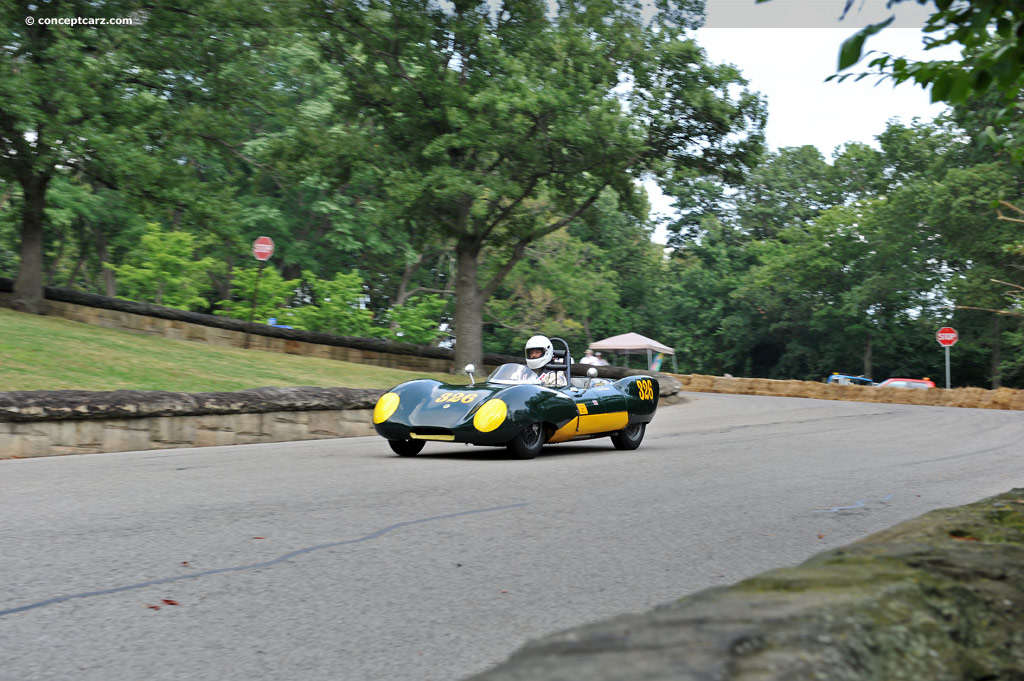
(628, 342)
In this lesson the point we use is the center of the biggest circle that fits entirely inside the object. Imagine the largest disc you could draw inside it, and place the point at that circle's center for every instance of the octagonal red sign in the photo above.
(947, 336)
(263, 248)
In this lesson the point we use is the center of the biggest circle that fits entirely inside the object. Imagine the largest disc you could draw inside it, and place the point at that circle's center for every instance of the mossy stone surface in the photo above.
(937, 598)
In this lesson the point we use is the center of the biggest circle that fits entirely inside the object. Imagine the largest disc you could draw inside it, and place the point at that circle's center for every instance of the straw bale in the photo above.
(1003, 398)
(699, 383)
(798, 388)
(718, 384)
(741, 386)
(813, 389)
(1017, 402)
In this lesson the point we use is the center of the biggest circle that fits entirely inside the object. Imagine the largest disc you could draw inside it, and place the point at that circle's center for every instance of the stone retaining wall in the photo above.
(55, 438)
(940, 598)
(51, 423)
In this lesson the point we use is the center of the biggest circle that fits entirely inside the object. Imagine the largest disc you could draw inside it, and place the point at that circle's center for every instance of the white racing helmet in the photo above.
(547, 351)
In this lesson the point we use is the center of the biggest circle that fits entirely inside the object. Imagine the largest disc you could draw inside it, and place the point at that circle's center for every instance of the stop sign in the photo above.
(263, 248)
(947, 336)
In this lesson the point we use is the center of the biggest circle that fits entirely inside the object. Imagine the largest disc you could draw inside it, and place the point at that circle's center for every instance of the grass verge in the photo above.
(48, 353)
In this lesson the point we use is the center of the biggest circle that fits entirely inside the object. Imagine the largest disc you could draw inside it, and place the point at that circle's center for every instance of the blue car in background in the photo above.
(844, 379)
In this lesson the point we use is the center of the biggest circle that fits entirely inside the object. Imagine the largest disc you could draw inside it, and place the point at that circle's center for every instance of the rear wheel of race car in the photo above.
(629, 437)
(406, 447)
(527, 444)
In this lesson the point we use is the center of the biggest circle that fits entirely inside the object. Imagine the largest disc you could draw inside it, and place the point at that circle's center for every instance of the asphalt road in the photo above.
(337, 560)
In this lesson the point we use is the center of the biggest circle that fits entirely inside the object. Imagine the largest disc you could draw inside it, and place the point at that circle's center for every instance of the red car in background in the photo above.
(907, 383)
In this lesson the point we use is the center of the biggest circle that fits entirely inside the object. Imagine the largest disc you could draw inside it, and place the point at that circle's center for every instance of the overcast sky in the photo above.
(787, 48)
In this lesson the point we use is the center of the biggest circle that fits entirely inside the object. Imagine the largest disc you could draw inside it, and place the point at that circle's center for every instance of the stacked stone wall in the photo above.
(53, 423)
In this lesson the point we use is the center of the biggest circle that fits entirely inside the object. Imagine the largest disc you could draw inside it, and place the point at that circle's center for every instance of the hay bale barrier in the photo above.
(940, 597)
(974, 398)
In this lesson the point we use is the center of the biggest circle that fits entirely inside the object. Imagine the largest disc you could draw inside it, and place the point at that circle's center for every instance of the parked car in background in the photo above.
(907, 383)
(844, 379)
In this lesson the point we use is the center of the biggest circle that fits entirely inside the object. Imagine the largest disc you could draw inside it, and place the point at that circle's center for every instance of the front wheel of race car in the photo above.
(629, 437)
(527, 444)
(406, 447)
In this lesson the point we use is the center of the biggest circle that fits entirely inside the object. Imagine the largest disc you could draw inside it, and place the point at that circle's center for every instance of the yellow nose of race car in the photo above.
(490, 416)
(386, 406)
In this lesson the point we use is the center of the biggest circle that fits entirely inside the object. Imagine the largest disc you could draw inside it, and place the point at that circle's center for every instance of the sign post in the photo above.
(262, 249)
(947, 338)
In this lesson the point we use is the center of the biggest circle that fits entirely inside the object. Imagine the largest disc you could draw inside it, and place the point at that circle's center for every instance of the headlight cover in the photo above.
(386, 406)
(490, 416)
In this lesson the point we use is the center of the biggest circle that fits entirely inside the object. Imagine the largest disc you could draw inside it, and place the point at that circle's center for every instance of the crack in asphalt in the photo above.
(951, 457)
(240, 568)
(860, 503)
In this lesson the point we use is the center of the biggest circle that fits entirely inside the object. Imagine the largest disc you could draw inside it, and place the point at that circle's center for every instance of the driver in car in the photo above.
(539, 353)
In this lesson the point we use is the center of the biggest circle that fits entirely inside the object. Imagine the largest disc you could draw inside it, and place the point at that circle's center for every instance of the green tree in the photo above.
(710, 329)
(53, 96)
(167, 273)
(991, 34)
(335, 306)
(136, 108)
(418, 319)
(556, 290)
(965, 214)
(261, 295)
(617, 247)
(498, 124)
(792, 185)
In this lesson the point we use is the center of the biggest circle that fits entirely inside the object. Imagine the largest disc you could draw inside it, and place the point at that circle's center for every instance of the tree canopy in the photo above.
(473, 173)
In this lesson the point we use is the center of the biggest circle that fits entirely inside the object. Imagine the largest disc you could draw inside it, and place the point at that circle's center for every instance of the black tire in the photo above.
(629, 437)
(528, 443)
(406, 447)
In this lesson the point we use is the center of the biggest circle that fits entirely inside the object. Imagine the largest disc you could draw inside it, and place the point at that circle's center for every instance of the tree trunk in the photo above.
(867, 355)
(997, 351)
(51, 273)
(75, 270)
(469, 308)
(223, 284)
(106, 274)
(28, 285)
(403, 285)
(291, 271)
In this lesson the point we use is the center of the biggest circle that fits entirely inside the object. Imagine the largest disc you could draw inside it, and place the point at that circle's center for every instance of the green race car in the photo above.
(511, 408)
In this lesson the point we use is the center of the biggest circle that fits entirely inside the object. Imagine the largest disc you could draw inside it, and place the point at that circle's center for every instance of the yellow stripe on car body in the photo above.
(443, 438)
(589, 424)
(566, 432)
(603, 423)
